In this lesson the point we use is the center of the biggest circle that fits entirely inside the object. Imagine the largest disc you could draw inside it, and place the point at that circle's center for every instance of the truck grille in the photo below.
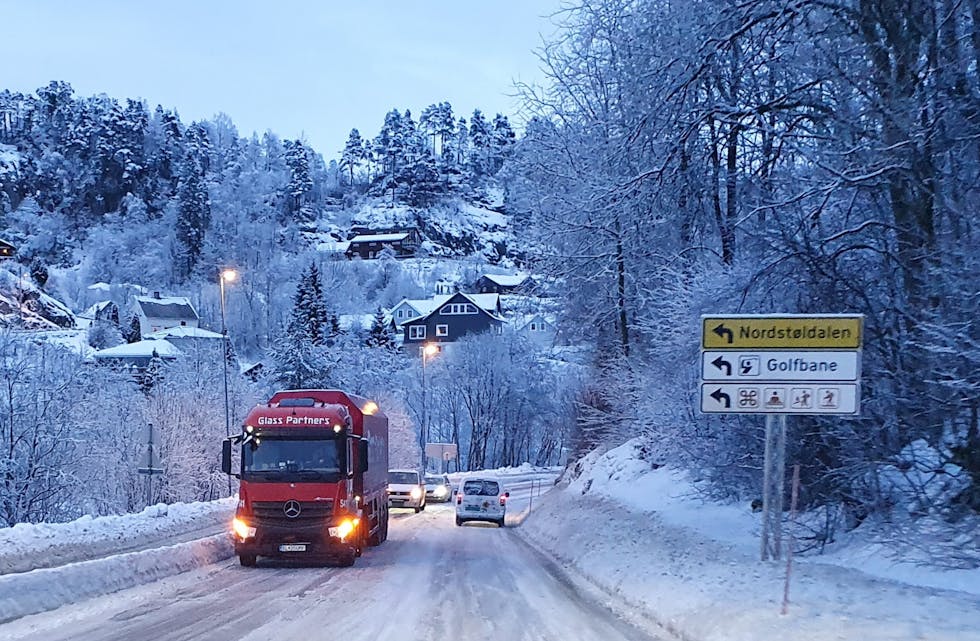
(273, 511)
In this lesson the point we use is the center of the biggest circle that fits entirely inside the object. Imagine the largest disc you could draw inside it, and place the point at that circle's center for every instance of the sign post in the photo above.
(149, 469)
(444, 452)
(780, 365)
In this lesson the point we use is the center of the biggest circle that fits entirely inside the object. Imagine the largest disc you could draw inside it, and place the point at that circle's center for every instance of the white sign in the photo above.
(779, 397)
(739, 365)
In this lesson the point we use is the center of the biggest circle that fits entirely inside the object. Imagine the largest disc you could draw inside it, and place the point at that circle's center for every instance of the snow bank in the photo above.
(693, 566)
(27, 546)
(47, 589)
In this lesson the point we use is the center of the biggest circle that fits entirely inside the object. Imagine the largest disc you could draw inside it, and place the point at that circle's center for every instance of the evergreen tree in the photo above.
(380, 334)
(133, 335)
(309, 319)
(193, 218)
(502, 141)
(353, 154)
(480, 140)
(300, 186)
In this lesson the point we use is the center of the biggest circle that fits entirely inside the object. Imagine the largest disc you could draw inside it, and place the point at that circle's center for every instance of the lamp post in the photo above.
(226, 276)
(428, 350)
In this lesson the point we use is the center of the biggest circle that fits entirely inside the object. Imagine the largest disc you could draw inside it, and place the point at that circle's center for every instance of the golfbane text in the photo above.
(806, 331)
(800, 365)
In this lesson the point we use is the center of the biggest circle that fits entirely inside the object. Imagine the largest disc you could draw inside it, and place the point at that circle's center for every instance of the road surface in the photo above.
(430, 581)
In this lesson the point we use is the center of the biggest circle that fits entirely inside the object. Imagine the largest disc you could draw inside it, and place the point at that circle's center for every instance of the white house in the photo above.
(137, 354)
(188, 338)
(163, 312)
(407, 308)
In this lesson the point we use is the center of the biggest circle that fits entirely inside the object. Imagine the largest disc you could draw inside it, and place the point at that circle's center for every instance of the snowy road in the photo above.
(431, 580)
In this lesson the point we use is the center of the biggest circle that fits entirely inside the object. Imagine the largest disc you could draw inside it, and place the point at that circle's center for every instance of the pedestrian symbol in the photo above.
(775, 397)
(802, 398)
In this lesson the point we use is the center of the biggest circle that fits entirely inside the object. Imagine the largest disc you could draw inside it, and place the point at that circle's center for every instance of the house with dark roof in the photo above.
(163, 312)
(454, 317)
(7, 249)
(503, 283)
(368, 246)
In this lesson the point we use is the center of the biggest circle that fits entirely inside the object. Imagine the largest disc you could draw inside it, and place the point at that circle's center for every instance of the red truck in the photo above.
(314, 475)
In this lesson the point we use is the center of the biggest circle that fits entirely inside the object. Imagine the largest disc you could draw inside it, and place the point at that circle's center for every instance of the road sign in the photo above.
(812, 365)
(441, 451)
(781, 332)
(781, 364)
(786, 397)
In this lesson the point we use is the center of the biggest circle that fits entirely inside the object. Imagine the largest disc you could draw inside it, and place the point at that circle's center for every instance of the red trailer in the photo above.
(314, 476)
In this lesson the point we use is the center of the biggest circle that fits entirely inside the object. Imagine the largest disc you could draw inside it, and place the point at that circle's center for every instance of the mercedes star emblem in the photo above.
(292, 508)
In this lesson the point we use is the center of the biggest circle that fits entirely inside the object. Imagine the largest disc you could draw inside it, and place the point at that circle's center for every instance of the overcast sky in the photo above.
(313, 69)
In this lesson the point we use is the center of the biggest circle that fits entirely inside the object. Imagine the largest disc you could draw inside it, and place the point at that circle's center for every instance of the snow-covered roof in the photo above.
(140, 349)
(338, 246)
(91, 311)
(506, 280)
(184, 332)
(171, 307)
(426, 306)
(379, 238)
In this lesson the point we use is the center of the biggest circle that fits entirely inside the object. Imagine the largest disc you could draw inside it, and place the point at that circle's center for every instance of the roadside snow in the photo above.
(47, 589)
(694, 565)
(27, 546)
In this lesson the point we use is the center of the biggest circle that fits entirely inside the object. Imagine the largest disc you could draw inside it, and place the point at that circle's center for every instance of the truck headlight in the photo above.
(416, 493)
(242, 529)
(343, 529)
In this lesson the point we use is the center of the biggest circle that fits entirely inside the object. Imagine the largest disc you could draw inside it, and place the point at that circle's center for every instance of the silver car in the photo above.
(438, 488)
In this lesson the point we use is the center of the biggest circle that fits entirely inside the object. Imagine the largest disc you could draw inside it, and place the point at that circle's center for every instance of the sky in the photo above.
(310, 70)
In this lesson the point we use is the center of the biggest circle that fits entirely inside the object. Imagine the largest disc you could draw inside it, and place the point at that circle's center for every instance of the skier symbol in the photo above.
(802, 398)
(829, 398)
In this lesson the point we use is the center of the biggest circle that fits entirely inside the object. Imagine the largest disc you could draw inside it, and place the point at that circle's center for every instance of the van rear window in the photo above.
(481, 488)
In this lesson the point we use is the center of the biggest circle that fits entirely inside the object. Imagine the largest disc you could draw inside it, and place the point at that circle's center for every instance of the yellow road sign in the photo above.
(781, 332)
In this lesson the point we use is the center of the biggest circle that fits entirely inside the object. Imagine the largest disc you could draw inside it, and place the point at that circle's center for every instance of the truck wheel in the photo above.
(247, 560)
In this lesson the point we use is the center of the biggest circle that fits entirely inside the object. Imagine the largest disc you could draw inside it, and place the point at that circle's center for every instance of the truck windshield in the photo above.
(280, 459)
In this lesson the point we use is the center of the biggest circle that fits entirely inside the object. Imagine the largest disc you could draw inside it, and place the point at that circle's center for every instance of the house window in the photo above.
(183, 323)
(400, 313)
(442, 330)
(534, 327)
(416, 332)
(456, 309)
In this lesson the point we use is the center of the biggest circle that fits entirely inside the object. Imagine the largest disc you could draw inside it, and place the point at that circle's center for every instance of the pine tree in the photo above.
(480, 139)
(193, 217)
(134, 335)
(353, 154)
(380, 334)
(502, 140)
(300, 186)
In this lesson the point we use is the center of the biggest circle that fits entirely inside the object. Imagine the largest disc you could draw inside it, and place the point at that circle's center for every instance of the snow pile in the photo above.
(26, 546)
(46, 589)
(694, 565)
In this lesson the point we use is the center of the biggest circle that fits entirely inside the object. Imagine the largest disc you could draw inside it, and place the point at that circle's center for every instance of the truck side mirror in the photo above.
(362, 453)
(226, 456)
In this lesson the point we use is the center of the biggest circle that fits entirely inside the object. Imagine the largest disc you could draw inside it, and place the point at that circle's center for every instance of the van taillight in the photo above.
(459, 498)
(503, 500)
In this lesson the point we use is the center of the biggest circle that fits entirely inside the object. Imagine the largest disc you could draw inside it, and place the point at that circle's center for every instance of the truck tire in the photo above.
(247, 560)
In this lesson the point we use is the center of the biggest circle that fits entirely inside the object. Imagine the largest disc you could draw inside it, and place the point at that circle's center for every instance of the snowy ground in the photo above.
(647, 541)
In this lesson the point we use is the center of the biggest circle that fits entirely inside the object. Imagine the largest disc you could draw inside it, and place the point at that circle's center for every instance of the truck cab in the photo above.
(307, 488)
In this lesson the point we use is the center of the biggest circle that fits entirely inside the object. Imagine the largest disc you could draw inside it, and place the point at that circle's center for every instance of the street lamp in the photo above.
(226, 276)
(428, 351)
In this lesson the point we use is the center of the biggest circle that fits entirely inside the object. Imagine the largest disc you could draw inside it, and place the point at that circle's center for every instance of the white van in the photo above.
(406, 489)
(481, 499)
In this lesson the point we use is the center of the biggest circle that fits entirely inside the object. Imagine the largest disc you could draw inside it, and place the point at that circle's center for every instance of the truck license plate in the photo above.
(293, 547)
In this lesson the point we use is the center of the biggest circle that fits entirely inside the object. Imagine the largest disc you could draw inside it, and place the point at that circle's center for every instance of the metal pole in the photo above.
(424, 437)
(766, 499)
(149, 465)
(779, 489)
(224, 362)
(792, 540)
